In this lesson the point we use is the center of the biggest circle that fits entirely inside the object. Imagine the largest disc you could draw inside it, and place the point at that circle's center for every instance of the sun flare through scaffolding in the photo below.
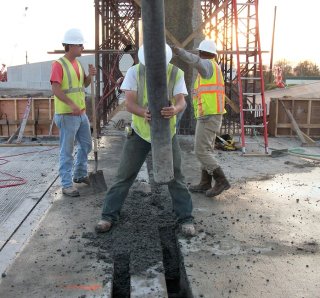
(117, 33)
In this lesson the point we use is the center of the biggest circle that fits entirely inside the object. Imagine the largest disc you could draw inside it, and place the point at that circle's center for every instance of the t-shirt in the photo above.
(130, 82)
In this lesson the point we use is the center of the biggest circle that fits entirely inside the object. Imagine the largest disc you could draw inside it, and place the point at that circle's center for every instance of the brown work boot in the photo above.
(204, 184)
(220, 185)
(84, 180)
(103, 226)
(71, 191)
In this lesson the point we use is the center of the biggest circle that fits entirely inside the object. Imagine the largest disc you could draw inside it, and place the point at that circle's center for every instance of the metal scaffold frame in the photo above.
(117, 29)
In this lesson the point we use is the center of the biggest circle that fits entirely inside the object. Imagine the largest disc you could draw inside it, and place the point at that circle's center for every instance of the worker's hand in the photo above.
(76, 110)
(147, 115)
(92, 70)
(168, 112)
(175, 50)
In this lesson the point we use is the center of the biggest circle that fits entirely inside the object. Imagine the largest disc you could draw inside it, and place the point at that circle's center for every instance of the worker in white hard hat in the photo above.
(138, 145)
(209, 107)
(68, 81)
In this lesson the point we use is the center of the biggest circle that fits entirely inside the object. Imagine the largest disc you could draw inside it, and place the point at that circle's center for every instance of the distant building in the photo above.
(37, 75)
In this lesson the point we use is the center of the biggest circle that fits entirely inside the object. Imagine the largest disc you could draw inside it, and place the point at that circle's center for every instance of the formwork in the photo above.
(39, 120)
(305, 112)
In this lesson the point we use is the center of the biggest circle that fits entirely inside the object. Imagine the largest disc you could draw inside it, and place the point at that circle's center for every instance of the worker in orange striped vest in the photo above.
(209, 107)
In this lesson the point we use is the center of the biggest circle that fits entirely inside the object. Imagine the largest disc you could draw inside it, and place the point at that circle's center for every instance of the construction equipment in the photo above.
(250, 71)
(96, 178)
(20, 129)
(3, 73)
(156, 81)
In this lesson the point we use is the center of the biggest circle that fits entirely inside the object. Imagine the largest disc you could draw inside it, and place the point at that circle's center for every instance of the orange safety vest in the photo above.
(209, 94)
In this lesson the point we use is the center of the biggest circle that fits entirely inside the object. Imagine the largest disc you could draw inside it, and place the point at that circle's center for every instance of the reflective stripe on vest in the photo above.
(72, 86)
(209, 94)
(140, 126)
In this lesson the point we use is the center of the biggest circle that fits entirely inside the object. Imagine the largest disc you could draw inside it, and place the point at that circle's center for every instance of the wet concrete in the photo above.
(258, 239)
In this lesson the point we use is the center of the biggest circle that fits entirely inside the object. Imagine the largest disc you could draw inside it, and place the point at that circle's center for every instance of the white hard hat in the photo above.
(73, 36)
(141, 54)
(208, 45)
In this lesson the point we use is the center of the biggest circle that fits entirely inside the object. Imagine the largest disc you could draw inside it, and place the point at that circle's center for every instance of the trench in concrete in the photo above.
(176, 284)
(146, 255)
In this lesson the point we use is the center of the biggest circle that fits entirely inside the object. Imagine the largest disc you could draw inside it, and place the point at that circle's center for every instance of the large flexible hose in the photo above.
(156, 77)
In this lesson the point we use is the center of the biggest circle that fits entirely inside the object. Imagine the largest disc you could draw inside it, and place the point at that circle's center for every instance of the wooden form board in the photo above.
(305, 111)
(39, 120)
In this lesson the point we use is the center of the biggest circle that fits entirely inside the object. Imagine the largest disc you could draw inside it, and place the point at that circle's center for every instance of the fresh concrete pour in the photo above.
(258, 239)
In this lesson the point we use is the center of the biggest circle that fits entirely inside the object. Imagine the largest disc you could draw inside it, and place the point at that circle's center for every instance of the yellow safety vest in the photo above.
(71, 86)
(208, 94)
(141, 127)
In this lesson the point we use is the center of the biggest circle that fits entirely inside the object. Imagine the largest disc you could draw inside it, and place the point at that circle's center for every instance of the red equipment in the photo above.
(3, 73)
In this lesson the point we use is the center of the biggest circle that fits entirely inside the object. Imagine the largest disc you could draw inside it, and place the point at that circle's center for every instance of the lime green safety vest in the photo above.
(71, 86)
(141, 127)
(208, 94)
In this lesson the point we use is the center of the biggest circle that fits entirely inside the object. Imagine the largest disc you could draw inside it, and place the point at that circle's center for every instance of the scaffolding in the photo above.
(117, 32)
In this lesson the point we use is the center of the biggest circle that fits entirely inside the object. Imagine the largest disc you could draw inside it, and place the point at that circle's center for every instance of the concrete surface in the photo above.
(258, 239)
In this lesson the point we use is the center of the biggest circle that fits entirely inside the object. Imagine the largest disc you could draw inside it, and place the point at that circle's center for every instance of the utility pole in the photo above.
(272, 44)
(25, 15)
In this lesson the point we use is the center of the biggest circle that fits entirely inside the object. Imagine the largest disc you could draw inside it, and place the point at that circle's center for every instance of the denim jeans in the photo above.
(206, 129)
(73, 129)
(133, 155)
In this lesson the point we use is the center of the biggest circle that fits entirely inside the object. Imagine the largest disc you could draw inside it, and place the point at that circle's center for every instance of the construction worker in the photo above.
(138, 145)
(68, 80)
(209, 107)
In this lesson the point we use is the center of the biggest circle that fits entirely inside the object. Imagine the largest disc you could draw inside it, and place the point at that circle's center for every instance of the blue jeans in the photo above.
(73, 129)
(133, 155)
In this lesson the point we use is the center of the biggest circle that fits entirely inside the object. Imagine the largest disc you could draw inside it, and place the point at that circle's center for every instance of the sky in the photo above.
(37, 26)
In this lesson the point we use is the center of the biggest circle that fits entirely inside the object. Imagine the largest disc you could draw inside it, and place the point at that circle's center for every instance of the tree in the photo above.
(286, 68)
(306, 69)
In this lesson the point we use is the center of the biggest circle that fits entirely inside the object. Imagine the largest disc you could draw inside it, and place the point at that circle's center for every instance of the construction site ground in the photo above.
(258, 239)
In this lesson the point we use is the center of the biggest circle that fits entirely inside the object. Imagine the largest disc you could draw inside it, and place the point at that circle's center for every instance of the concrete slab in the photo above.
(258, 239)
(33, 171)
(261, 237)
(150, 284)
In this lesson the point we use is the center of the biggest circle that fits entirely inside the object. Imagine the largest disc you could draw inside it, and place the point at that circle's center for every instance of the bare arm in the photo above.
(169, 112)
(133, 107)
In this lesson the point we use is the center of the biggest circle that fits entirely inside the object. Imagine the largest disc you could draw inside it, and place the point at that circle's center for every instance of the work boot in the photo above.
(84, 180)
(103, 226)
(204, 184)
(70, 191)
(220, 185)
(188, 229)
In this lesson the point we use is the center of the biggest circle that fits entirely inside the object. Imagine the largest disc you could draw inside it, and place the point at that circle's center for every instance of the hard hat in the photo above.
(208, 45)
(73, 36)
(141, 54)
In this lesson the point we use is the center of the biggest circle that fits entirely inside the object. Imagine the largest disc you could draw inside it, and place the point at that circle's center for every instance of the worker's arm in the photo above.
(133, 107)
(172, 110)
(87, 78)
(204, 66)
(57, 91)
